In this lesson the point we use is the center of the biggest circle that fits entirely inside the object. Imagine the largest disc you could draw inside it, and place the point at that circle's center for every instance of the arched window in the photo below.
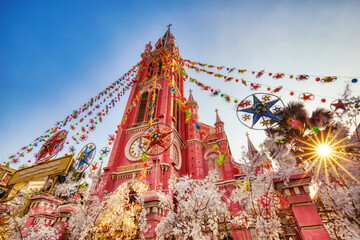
(142, 108)
(159, 67)
(156, 96)
(178, 80)
(175, 112)
(150, 70)
(177, 118)
(212, 163)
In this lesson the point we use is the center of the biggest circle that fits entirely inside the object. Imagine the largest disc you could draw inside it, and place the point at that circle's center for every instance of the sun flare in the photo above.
(324, 151)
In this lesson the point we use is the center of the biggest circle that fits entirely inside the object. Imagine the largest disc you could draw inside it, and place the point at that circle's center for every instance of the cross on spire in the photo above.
(169, 25)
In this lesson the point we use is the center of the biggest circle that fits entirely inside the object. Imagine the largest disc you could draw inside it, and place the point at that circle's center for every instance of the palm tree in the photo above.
(296, 125)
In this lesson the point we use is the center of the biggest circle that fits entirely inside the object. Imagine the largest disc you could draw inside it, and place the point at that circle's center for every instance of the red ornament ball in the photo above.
(317, 79)
(323, 100)
(292, 93)
(270, 74)
(268, 88)
(235, 171)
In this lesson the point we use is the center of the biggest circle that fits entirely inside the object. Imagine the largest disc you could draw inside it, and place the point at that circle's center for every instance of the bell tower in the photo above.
(156, 97)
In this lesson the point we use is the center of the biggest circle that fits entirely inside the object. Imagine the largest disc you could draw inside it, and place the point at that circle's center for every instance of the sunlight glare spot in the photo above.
(324, 150)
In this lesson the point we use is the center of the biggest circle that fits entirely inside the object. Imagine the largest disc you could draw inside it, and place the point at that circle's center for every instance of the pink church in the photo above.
(192, 151)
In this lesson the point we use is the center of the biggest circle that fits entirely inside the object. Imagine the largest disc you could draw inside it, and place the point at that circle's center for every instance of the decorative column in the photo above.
(297, 193)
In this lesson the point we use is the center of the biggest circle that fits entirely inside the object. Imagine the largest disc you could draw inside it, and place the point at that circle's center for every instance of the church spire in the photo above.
(218, 119)
(191, 98)
(168, 40)
(167, 35)
(251, 148)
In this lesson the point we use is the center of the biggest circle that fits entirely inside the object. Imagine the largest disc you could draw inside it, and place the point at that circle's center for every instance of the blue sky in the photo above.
(55, 55)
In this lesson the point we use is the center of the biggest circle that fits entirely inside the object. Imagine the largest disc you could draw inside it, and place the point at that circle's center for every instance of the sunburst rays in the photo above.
(325, 150)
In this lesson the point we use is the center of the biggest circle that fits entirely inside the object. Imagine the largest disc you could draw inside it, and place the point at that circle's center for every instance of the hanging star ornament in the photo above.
(72, 149)
(51, 147)
(268, 110)
(339, 104)
(94, 167)
(86, 156)
(104, 151)
(157, 139)
(306, 96)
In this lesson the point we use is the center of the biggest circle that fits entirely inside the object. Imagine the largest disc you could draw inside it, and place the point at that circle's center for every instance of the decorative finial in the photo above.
(169, 25)
(191, 98)
(218, 119)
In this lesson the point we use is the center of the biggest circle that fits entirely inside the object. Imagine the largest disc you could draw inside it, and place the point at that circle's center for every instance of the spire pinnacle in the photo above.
(218, 119)
(167, 35)
(191, 98)
(251, 148)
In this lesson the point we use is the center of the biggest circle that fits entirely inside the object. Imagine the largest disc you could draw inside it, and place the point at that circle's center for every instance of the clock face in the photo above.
(136, 148)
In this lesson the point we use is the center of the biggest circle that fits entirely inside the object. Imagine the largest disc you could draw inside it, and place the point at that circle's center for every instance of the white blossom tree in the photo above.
(15, 227)
(42, 231)
(120, 214)
(194, 209)
(256, 194)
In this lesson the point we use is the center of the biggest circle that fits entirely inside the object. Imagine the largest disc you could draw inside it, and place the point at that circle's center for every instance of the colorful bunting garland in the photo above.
(83, 113)
(260, 73)
(253, 86)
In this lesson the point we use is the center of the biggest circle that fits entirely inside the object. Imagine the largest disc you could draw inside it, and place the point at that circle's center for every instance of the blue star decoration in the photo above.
(72, 149)
(105, 151)
(85, 156)
(261, 109)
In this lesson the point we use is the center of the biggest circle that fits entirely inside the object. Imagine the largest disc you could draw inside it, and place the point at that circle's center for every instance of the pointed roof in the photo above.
(218, 119)
(191, 98)
(251, 148)
(167, 35)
